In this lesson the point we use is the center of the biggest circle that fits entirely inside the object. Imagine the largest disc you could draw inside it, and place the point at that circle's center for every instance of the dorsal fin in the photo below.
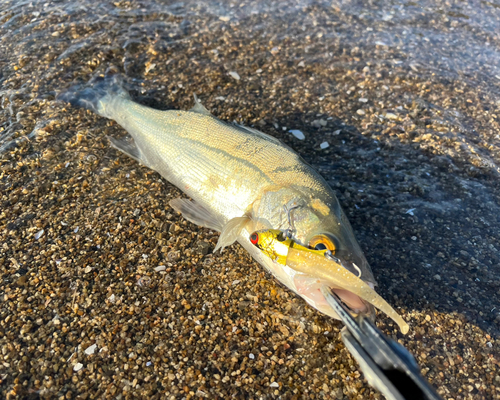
(259, 133)
(198, 107)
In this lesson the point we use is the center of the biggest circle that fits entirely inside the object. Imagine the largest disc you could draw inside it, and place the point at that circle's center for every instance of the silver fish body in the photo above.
(239, 179)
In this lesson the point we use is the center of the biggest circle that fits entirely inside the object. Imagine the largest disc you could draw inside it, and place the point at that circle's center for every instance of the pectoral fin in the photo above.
(197, 214)
(230, 232)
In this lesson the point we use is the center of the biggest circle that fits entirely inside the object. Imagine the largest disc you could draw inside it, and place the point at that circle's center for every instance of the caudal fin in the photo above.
(99, 95)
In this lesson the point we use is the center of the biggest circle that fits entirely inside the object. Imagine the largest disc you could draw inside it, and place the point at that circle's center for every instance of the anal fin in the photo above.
(197, 214)
(128, 147)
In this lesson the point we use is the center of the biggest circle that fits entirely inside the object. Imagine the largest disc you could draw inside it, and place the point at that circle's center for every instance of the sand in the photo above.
(107, 293)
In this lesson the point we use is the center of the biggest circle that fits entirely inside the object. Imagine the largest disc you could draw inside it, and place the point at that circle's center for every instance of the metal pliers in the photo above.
(386, 365)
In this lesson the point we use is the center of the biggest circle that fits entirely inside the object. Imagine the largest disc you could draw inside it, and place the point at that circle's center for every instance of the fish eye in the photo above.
(254, 238)
(323, 242)
(321, 246)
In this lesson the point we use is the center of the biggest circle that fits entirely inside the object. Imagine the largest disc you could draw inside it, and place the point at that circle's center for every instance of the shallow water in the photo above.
(404, 94)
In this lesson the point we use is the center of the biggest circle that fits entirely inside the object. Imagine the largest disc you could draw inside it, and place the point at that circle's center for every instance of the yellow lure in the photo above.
(274, 244)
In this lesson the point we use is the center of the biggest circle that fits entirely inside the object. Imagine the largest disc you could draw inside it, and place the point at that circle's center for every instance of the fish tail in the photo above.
(100, 95)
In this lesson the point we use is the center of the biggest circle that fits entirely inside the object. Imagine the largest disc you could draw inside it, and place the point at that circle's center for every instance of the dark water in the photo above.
(405, 94)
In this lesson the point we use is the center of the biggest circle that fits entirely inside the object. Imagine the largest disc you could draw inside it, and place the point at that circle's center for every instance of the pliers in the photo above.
(386, 365)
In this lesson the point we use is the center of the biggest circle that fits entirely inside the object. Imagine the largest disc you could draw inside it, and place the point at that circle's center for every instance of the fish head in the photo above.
(323, 270)
(316, 221)
(321, 224)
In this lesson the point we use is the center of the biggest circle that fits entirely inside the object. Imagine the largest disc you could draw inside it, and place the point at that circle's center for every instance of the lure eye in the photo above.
(323, 242)
(254, 238)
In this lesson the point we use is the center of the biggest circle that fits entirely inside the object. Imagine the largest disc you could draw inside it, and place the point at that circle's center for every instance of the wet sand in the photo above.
(106, 292)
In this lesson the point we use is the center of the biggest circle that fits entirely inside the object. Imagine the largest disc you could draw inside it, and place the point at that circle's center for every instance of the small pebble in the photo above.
(235, 75)
(324, 145)
(173, 256)
(202, 248)
(318, 123)
(91, 349)
(77, 367)
(21, 281)
(39, 234)
(298, 134)
(144, 281)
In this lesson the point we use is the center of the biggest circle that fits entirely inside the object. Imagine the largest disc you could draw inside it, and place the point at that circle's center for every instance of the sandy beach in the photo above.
(108, 293)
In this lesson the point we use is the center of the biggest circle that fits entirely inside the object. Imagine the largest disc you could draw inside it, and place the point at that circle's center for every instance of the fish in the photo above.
(238, 180)
(325, 266)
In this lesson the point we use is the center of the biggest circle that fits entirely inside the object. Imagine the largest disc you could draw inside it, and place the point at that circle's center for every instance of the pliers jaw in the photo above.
(386, 365)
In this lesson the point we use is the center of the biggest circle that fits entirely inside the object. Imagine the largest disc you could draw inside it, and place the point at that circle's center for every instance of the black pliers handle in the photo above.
(386, 365)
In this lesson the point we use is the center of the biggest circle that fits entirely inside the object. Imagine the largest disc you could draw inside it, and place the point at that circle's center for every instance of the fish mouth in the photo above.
(355, 303)
(310, 289)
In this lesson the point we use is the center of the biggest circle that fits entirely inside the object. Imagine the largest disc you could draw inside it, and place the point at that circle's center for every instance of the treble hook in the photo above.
(329, 254)
(289, 231)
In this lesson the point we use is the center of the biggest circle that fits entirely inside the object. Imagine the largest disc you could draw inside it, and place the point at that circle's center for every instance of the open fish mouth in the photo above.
(314, 264)
(310, 288)
(355, 303)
